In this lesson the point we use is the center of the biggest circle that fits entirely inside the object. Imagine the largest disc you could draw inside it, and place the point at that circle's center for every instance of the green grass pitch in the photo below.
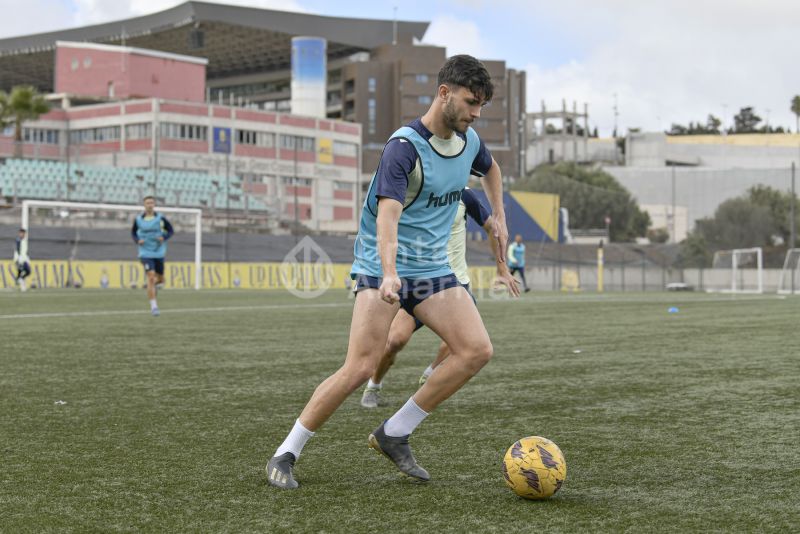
(669, 422)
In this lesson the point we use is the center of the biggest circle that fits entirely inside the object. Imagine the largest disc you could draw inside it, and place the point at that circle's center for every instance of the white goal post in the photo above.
(198, 226)
(789, 283)
(745, 266)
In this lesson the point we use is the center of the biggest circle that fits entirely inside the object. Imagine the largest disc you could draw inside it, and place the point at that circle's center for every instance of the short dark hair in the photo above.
(148, 197)
(23, 230)
(466, 71)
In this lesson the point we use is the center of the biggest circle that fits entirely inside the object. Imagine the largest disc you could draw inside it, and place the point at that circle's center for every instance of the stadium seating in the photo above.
(54, 180)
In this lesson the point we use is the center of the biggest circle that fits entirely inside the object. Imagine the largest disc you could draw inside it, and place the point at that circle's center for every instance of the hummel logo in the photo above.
(444, 200)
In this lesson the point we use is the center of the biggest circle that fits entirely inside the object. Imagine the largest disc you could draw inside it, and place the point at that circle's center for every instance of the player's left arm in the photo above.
(493, 186)
(478, 213)
(487, 168)
(504, 276)
(166, 229)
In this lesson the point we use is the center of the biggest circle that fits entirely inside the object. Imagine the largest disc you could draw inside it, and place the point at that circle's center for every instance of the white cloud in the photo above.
(459, 36)
(32, 16)
(673, 62)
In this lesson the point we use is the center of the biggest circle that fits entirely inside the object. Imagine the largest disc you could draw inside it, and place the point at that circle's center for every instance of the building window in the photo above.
(39, 136)
(371, 116)
(250, 137)
(371, 83)
(424, 100)
(422, 78)
(344, 149)
(94, 135)
(343, 186)
(293, 180)
(185, 132)
(138, 131)
(306, 143)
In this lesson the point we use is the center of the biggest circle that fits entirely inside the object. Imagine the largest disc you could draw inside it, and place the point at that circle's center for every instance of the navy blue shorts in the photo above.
(412, 292)
(153, 264)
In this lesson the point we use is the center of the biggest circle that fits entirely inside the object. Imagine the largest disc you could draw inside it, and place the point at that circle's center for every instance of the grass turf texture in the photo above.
(669, 422)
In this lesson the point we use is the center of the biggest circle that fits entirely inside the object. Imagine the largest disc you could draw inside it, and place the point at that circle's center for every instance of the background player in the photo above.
(516, 259)
(150, 231)
(21, 259)
(404, 325)
(401, 260)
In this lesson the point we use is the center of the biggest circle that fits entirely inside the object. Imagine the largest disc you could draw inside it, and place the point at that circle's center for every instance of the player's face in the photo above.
(149, 205)
(461, 108)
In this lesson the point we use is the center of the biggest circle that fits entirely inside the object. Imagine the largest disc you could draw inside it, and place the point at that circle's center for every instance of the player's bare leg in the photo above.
(151, 292)
(369, 329)
(452, 315)
(400, 332)
(442, 353)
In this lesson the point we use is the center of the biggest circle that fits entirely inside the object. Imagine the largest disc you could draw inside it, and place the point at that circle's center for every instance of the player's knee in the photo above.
(395, 344)
(479, 355)
(358, 373)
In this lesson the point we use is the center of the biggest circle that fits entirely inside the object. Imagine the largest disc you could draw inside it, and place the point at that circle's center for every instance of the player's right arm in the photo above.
(389, 211)
(135, 234)
(397, 161)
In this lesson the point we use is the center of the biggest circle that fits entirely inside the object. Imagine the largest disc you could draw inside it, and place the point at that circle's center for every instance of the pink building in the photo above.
(120, 72)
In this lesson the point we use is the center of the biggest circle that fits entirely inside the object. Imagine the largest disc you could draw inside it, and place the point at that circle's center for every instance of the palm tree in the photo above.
(796, 111)
(24, 103)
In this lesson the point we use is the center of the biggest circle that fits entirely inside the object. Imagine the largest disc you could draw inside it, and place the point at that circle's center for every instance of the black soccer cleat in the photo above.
(279, 471)
(399, 452)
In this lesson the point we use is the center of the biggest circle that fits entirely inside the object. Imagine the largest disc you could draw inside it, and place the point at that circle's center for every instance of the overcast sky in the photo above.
(667, 61)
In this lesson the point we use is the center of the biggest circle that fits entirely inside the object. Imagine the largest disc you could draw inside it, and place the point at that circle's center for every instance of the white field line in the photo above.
(173, 311)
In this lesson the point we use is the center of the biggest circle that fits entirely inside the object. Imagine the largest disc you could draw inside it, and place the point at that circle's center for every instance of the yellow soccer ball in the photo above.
(534, 468)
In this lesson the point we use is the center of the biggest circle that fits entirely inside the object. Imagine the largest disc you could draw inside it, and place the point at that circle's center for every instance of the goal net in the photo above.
(85, 244)
(789, 282)
(739, 270)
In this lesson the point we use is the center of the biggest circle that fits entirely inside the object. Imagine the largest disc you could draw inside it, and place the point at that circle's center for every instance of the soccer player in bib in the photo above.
(150, 231)
(21, 259)
(401, 261)
(404, 325)
(516, 259)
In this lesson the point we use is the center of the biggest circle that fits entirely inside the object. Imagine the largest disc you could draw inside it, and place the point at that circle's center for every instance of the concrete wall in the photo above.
(119, 72)
(563, 149)
(700, 190)
(721, 151)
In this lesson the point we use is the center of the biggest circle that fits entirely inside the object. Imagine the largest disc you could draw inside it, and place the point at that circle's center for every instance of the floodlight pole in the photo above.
(296, 180)
(792, 222)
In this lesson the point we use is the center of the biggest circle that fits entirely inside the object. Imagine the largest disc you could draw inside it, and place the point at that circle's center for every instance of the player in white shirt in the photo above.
(21, 259)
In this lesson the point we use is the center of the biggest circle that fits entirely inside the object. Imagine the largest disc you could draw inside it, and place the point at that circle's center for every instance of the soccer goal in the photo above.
(739, 270)
(83, 215)
(789, 282)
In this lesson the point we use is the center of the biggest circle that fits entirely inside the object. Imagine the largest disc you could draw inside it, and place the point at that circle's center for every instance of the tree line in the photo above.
(746, 121)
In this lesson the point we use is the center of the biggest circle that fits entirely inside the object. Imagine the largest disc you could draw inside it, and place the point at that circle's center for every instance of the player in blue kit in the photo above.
(404, 325)
(150, 231)
(401, 261)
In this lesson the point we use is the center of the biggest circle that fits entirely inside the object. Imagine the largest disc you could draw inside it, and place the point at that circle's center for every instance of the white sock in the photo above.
(22, 284)
(296, 440)
(372, 384)
(153, 304)
(405, 420)
(428, 371)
